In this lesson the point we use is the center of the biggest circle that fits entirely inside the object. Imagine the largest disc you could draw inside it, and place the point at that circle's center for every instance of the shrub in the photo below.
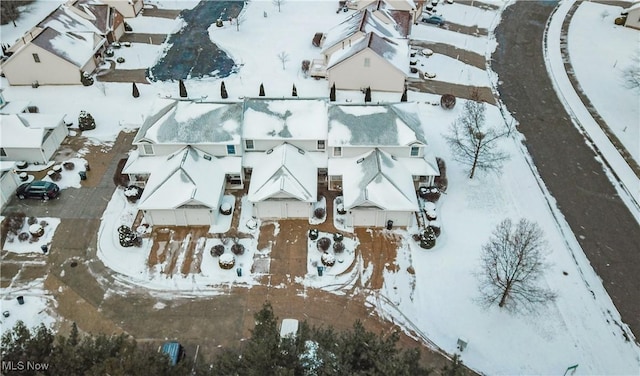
(68, 165)
(428, 239)
(338, 247)
(620, 21)
(313, 234)
(435, 229)
(319, 213)
(306, 64)
(24, 236)
(32, 221)
(441, 181)
(44, 224)
(323, 244)
(13, 223)
(120, 59)
(237, 249)
(86, 121)
(217, 250)
(416, 237)
(337, 237)
(447, 101)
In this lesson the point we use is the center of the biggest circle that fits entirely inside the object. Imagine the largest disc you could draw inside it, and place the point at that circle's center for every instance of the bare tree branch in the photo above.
(283, 57)
(512, 262)
(473, 143)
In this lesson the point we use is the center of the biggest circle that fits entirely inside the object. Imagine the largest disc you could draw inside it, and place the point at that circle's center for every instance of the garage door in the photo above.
(364, 218)
(283, 209)
(197, 217)
(297, 209)
(179, 217)
(269, 209)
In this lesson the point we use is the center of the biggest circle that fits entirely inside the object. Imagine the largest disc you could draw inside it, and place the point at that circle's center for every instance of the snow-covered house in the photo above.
(284, 184)
(87, 15)
(8, 182)
(633, 15)
(377, 62)
(376, 188)
(278, 134)
(355, 130)
(413, 7)
(128, 8)
(185, 191)
(50, 57)
(32, 138)
(214, 129)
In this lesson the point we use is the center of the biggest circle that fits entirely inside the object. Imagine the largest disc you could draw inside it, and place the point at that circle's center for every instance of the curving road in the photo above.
(606, 230)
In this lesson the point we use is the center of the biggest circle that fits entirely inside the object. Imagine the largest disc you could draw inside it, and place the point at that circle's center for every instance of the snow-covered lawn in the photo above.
(448, 69)
(155, 25)
(70, 178)
(138, 56)
(599, 53)
(32, 244)
(472, 43)
(36, 310)
(464, 14)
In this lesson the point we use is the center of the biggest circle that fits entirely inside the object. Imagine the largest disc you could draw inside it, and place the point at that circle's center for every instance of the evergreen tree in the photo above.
(404, 95)
(135, 92)
(223, 91)
(294, 91)
(183, 89)
(261, 90)
(367, 95)
(86, 121)
(332, 93)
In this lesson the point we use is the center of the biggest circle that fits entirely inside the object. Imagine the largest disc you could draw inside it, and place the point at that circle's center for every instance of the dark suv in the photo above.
(38, 189)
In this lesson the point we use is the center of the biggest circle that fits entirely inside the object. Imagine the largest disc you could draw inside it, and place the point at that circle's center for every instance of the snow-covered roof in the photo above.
(145, 164)
(186, 178)
(634, 6)
(7, 165)
(285, 119)
(77, 48)
(424, 166)
(375, 125)
(375, 179)
(186, 122)
(364, 21)
(285, 171)
(64, 19)
(26, 130)
(253, 159)
(14, 107)
(395, 51)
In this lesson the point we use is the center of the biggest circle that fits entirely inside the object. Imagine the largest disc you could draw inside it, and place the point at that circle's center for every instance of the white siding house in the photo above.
(633, 15)
(32, 138)
(128, 8)
(8, 182)
(186, 191)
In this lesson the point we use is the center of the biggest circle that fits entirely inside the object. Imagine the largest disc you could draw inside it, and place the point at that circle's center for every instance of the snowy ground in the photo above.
(438, 300)
(13, 244)
(37, 308)
(598, 48)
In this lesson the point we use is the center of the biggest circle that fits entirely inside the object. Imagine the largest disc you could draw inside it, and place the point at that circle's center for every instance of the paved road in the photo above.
(607, 232)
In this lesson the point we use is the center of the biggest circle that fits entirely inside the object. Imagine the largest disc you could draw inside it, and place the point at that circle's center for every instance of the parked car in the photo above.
(434, 19)
(38, 189)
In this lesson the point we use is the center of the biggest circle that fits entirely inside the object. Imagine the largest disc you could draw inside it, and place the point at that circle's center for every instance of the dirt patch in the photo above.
(266, 238)
(176, 249)
(378, 248)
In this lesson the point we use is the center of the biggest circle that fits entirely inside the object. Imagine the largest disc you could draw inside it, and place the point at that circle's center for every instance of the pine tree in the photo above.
(135, 92)
(261, 90)
(332, 93)
(183, 89)
(367, 95)
(404, 95)
(294, 91)
(223, 91)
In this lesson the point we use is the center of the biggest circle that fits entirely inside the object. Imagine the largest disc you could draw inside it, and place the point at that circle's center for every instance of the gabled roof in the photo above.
(26, 130)
(363, 21)
(284, 119)
(378, 179)
(187, 178)
(375, 125)
(285, 170)
(394, 51)
(76, 48)
(64, 19)
(186, 122)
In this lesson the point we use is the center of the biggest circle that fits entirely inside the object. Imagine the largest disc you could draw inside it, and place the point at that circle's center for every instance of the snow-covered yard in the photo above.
(36, 309)
(438, 299)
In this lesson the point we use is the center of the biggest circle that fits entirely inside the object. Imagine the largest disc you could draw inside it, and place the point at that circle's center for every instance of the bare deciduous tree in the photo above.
(278, 3)
(512, 263)
(283, 57)
(631, 73)
(473, 143)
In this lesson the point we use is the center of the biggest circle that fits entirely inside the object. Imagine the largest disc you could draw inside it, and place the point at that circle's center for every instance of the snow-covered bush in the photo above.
(225, 208)
(328, 259)
(323, 244)
(237, 249)
(86, 121)
(226, 261)
(428, 239)
(338, 247)
(448, 101)
(23, 237)
(217, 250)
(32, 221)
(319, 213)
(68, 165)
(313, 234)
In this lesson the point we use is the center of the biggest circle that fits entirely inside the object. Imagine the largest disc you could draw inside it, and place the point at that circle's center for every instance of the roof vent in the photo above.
(301, 151)
(207, 157)
(269, 151)
(360, 160)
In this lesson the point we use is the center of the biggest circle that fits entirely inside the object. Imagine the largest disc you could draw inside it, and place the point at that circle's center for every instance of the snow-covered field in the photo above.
(598, 48)
(37, 308)
(438, 300)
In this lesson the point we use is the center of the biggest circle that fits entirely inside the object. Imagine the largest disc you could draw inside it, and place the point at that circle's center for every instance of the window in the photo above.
(3, 153)
(337, 151)
(248, 144)
(415, 151)
(36, 58)
(320, 144)
(231, 149)
(148, 149)
(367, 62)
